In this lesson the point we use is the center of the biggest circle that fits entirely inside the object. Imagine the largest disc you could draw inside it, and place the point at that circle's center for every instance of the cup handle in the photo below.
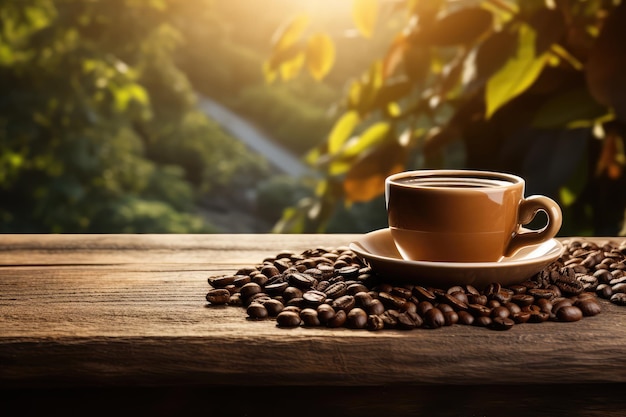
(528, 208)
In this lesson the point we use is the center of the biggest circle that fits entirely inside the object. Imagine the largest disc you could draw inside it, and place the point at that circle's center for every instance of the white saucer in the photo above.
(378, 250)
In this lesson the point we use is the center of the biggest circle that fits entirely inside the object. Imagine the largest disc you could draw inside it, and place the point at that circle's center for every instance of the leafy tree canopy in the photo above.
(531, 86)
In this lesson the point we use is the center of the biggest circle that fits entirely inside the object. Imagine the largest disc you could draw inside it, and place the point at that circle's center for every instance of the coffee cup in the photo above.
(464, 215)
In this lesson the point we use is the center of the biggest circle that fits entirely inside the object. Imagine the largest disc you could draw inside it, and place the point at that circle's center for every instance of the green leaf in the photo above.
(365, 15)
(568, 107)
(519, 72)
(374, 135)
(320, 55)
(342, 130)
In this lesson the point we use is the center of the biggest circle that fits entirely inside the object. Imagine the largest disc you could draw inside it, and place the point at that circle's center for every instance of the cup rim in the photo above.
(470, 173)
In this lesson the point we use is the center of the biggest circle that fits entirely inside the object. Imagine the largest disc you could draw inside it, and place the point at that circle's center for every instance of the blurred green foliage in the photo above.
(533, 87)
(98, 129)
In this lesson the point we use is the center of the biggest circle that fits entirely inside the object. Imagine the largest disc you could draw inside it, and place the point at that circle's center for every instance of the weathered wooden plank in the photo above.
(129, 310)
(211, 249)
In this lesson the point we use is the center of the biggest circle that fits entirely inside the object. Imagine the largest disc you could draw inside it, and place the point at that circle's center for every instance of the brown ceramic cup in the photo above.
(463, 215)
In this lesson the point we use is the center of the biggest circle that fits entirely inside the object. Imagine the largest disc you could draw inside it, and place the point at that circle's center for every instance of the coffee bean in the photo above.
(482, 321)
(292, 292)
(521, 317)
(218, 296)
(325, 312)
(276, 289)
(500, 312)
(589, 306)
(257, 311)
(619, 299)
(356, 318)
(338, 319)
(569, 314)
(434, 318)
(309, 317)
(455, 302)
(301, 280)
(465, 318)
(375, 307)
(451, 317)
(501, 323)
(273, 307)
(314, 298)
(391, 301)
(336, 290)
(288, 319)
(374, 322)
(423, 307)
(423, 294)
(355, 288)
(523, 299)
(621, 287)
(345, 303)
(235, 300)
(478, 310)
(249, 289)
(604, 291)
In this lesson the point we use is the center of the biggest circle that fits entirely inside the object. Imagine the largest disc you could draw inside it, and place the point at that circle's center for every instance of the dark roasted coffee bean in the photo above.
(374, 322)
(621, 287)
(292, 292)
(478, 310)
(356, 318)
(293, 309)
(619, 299)
(444, 307)
(521, 317)
(503, 296)
(309, 317)
(276, 289)
(345, 303)
(523, 299)
(561, 303)
(325, 312)
(218, 296)
(538, 316)
(513, 308)
(518, 289)
(221, 282)
(374, 306)
(235, 300)
(569, 314)
(500, 312)
(493, 303)
(297, 302)
(273, 307)
(604, 276)
(282, 264)
(301, 280)
(391, 301)
(589, 306)
(232, 289)
(423, 307)
(249, 289)
(260, 279)
(405, 322)
(315, 273)
(482, 321)
(241, 280)
(477, 299)
(246, 270)
(501, 323)
(362, 298)
(434, 318)
(409, 306)
(336, 290)
(455, 302)
(465, 318)
(257, 311)
(350, 271)
(390, 320)
(604, 291)
(401, 292)
(544, 304)
(314, 298)
(423, 294)
(288, 319)
(270, 271)
(450, 318)
(353, 289)
(338, 320)
(541, 293)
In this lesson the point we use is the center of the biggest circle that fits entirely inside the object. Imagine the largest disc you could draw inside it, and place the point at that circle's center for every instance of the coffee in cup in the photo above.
(464, 215)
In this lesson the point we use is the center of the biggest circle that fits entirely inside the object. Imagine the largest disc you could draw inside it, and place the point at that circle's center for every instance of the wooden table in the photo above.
(119, 323)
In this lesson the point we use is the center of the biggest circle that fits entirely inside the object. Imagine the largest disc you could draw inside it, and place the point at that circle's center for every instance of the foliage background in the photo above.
(100, 132)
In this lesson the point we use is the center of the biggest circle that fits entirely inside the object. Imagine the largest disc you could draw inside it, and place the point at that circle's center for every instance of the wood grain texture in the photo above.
(121, 310)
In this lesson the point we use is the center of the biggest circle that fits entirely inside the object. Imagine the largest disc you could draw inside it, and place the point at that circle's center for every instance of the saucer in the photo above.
(378, 250)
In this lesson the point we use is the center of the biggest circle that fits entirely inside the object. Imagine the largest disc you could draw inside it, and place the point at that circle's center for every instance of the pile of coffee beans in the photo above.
(333, 288)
